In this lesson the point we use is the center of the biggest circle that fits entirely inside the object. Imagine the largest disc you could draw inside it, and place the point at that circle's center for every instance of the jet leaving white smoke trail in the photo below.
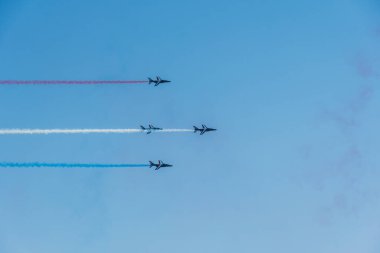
(83, 131)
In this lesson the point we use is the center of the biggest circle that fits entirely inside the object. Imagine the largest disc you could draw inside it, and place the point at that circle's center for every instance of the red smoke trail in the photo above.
(71, 82)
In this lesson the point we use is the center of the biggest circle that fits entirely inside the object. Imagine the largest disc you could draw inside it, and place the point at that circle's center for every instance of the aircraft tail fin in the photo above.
(196, 129)
(150, 80)
(151, 164)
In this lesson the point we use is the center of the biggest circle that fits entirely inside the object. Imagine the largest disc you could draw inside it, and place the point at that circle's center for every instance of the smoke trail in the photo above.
(89, 82)
(66, 131)
(83, 131)
(174, 130)
(69, 165)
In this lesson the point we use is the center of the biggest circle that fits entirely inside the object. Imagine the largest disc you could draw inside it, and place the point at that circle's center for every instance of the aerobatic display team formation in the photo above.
(142, 129)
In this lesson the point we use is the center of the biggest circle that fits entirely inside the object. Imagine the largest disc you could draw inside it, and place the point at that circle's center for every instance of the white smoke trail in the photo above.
(174, 130)
(83, 131)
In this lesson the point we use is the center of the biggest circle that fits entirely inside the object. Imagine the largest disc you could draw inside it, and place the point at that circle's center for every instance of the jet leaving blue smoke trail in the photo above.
(71, 165)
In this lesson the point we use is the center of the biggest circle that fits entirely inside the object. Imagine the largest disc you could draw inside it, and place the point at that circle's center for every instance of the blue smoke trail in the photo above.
(70, 165)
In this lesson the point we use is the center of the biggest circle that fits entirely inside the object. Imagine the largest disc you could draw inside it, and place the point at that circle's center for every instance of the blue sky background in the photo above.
(292, 87)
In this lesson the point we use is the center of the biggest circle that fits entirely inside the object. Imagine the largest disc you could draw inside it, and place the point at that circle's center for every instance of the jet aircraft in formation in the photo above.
(158, 81)
(203, 130)
(149, 129)
(159, 165)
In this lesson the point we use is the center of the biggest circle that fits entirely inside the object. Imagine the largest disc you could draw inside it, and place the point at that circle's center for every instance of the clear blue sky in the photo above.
(292, 86)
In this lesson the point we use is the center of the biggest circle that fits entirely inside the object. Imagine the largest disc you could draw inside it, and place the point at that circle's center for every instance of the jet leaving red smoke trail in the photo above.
(21, 82)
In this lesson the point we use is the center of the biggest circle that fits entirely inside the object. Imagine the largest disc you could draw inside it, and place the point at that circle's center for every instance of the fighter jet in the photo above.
(158, 81)
(203, 130)
(159, 165)
(149, 129)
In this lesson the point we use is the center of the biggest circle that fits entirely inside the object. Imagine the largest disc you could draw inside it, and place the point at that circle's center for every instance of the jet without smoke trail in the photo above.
(149, 129)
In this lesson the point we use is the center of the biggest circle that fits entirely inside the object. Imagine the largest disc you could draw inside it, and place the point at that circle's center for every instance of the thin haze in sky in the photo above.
(292, 87)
